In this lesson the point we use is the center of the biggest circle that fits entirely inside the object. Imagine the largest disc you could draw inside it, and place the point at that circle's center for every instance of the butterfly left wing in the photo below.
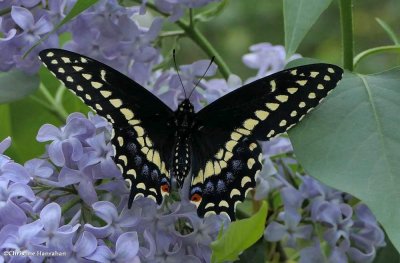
(226, 156)
(142, 137)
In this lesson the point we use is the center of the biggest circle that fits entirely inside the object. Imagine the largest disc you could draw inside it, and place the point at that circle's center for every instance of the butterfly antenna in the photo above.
(177, 71)
(209, 65)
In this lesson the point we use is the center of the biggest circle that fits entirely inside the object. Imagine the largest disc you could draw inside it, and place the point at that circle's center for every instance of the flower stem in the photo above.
(67, 206)
(197, 37)
(346, 16)
(56, 107)
(206, 46)
(5, 11)
(376, 50)
(172, 33)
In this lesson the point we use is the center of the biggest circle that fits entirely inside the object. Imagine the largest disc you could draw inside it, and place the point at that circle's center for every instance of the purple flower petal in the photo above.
(86, 191)
(5, 144)
(69, 176)
(86, 244)
(101, 254)
(50, 216)
(10, 213)
(274, 232)
(22, 17)
(29, 231)
(21, 190)
(48, 132)
(43, 26)
(127, 247)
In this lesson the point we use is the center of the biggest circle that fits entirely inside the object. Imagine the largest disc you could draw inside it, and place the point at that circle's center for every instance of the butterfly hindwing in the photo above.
(226, 179)
(257, 111)
(139, 119)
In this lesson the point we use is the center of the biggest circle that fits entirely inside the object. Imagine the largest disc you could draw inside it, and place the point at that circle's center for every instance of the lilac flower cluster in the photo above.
(106, 32)
(51, 204)
(315, 216)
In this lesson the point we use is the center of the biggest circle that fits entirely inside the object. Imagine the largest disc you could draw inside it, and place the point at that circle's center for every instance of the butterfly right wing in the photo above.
(142, 137)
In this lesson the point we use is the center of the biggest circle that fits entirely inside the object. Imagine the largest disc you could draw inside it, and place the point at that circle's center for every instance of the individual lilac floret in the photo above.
(216, 88)
(53, 235)
(115, 223)
(100, 153)
(13, 198)
(22, 238)
(82, 179)
(66, 147)
(126, 250)
(25, 20)
(39, 168)
(367, 236)
(290, 231)
(338, 221)
(266, 181)
(31, 31)
(267, 59)
(84, 246)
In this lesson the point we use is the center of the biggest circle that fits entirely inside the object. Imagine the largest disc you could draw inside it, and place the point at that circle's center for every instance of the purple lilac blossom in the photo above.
(169, 88)
(154, 231)
(267, 59)
(332, 219)
(176, 8)
(22, 27)
(107, 33)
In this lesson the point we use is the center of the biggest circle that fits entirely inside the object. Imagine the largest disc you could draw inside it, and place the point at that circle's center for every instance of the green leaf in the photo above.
(255, 253)
(388, 30)
(79, 7)
(213, 12)
(5, 128)
(387, 253)
(352, 142)
(15, 85)
(239, 236)
(25, 118)
(299, 17)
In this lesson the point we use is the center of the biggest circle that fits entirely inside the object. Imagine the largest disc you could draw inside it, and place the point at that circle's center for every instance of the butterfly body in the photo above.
(217, 146)
(185, 124)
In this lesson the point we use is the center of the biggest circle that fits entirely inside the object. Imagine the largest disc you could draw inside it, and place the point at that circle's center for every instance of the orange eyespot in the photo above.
(196, 198)
(165, 188)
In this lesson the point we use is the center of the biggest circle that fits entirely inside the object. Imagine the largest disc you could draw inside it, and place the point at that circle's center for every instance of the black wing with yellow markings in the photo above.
(220, 147)
(141, 137)
(226, 155)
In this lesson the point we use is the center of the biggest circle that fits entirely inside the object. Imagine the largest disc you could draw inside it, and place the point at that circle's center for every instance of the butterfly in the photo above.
(217, 146)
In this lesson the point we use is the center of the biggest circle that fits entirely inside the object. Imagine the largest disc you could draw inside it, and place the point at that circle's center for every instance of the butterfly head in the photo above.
(186, 106)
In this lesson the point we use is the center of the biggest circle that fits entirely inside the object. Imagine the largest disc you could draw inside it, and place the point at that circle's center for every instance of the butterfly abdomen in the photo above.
(181, 158)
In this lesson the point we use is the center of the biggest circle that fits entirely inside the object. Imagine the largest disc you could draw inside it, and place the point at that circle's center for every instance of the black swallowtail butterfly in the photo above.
(217, 145)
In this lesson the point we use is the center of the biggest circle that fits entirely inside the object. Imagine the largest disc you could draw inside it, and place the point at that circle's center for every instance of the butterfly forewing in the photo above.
(139, 119)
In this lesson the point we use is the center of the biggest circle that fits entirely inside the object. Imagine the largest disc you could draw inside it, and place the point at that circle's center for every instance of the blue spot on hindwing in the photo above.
(209, 189)
(229, 177)
(221, 186)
